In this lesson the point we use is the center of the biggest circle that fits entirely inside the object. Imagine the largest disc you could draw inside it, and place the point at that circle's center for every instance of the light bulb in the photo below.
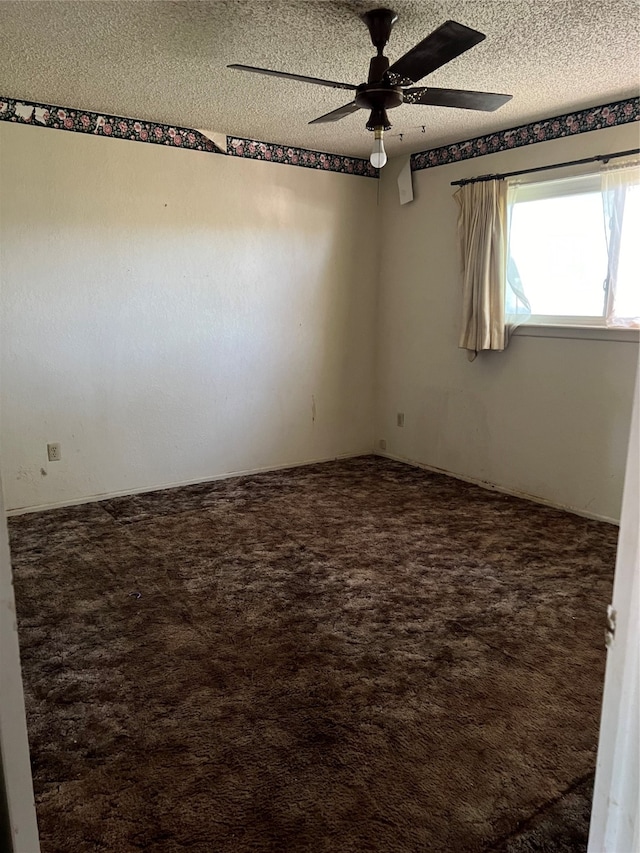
(378, 155)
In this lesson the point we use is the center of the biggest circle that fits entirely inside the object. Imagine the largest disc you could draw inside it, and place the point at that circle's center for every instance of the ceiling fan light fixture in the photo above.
(378, 156)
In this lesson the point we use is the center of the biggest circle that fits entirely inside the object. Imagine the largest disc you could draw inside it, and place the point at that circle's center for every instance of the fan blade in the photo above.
(460, 98)
(301, 77)
(443, 45)
(336, 115)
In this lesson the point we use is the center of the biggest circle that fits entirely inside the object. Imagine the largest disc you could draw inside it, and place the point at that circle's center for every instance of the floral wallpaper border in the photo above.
(118, 127)
(582, 121)
(253, 149)
(138, 130)
(102, 124)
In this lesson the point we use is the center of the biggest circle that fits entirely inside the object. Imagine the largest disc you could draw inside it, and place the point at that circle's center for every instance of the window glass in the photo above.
(559, 248)
(558, 255)
(628, 282)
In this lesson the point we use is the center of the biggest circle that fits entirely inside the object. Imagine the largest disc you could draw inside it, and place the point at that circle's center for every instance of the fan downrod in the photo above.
(377, 95)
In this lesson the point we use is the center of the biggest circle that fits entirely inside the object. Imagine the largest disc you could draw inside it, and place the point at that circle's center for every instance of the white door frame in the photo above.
(14, 744)
(614, 816)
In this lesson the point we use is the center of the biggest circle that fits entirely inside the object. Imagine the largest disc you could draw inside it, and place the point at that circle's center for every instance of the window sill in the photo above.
(593, 333)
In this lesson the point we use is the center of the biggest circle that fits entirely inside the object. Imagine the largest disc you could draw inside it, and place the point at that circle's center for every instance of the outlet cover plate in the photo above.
(54, 452)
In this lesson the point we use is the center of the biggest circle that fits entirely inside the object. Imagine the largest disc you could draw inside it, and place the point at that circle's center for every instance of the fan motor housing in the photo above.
(375, 96)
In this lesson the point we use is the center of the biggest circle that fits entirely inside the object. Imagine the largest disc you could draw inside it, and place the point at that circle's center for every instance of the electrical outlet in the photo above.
(400, 419)
(54, 452)
(382, 444)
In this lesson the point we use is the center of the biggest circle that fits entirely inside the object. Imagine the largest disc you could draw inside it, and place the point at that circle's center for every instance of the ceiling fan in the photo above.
(388, 86)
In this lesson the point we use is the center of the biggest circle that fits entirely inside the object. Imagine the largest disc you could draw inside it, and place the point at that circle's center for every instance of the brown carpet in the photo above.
(347, 657)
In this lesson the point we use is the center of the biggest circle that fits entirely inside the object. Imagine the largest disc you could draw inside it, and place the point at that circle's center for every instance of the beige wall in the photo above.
(170, 316)
(549, 417)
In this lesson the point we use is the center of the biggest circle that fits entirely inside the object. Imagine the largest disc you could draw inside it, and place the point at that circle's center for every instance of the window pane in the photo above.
(628, 285)
(559, 248)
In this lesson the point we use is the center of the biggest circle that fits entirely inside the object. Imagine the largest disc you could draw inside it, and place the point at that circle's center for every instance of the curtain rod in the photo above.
(599, 158)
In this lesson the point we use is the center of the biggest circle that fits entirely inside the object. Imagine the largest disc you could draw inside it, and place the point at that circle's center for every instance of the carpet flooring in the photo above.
(341, 658)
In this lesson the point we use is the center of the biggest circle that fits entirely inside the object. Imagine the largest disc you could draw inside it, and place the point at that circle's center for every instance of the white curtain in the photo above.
(482, 232)
(621, 207)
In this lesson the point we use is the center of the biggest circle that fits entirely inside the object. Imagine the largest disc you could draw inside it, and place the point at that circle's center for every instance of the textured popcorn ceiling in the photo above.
(165, 61)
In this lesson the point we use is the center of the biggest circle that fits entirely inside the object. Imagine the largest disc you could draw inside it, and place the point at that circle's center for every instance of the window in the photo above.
(572, 250)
